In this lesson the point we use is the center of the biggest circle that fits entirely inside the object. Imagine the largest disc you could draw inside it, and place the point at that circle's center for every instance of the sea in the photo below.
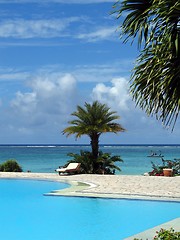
(46, 158)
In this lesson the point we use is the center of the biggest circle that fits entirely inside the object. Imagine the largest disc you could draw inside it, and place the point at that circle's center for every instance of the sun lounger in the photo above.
(72, 168)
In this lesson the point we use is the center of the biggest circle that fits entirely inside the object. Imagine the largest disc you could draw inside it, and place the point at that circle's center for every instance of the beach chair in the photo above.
(72, 168)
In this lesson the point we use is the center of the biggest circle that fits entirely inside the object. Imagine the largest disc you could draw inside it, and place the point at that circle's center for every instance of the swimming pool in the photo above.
(26, 214)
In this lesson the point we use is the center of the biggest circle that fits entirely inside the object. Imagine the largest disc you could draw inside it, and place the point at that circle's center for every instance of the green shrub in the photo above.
(104, 164)
(164, 234)
(10, 166)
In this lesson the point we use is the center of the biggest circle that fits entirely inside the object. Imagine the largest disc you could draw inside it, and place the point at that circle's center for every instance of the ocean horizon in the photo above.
(101, 144)
(47, 157)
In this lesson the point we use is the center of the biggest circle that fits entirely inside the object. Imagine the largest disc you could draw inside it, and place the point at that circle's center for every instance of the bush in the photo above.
(10, 166)
(164, 234)
(158, 169)
(104, 164)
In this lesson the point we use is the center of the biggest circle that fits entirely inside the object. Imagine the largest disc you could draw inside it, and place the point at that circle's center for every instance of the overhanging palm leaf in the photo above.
(137, 21)
(156, 76)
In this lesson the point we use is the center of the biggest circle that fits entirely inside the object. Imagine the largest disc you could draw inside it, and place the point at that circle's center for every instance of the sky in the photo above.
(57, 54)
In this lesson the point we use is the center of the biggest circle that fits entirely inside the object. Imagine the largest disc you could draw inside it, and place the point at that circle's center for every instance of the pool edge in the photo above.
(88, 187)
(79, 189)
(151, 233)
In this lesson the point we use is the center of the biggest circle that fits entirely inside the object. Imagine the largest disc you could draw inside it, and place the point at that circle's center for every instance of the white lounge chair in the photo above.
(71, 168)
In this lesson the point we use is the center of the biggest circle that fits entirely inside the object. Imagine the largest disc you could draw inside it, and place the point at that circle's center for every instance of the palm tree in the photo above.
(93, 120)
(156, 76)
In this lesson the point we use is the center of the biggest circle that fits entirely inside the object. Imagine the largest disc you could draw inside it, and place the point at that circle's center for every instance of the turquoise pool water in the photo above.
(28, 215)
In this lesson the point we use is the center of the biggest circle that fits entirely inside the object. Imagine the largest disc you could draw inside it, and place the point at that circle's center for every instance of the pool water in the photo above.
(26, 214)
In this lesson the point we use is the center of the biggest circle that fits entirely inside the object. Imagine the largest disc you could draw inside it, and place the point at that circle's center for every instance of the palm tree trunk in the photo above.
(95, 145)
(95, 151)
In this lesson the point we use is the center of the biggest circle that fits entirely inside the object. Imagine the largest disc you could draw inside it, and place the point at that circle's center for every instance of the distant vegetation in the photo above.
(10, 165)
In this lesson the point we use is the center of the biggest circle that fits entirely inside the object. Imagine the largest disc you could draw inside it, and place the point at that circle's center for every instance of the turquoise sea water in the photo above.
(46, 158)
(26, 214)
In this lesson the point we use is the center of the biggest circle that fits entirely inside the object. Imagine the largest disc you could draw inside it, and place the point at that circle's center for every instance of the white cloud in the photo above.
(105, 33)
(26, 102)
(116, 95)
(102, 72)
(21, 28)
(49, 29)
(82, 73)
(49, 100)
(14, 76)
(43, 28)
(40, 114)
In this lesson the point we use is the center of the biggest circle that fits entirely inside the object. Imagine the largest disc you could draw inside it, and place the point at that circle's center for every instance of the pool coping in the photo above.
(79, 187)
(152, 232)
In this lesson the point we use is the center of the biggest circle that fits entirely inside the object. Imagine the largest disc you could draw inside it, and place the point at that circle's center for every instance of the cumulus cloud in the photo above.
(26, 102)
(21, 28)
(48, 100)
(116, 95)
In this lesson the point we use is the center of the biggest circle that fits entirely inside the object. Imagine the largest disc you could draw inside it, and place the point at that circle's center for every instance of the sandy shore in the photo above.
(114, 186)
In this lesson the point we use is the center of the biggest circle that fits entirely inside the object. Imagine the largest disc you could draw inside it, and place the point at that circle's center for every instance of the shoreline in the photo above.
(109, 186)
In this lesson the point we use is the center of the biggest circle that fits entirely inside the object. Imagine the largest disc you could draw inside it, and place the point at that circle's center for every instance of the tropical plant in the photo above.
(157, 169)
(86, 160)
(104, 164)
(93, 120)
(172, 164)
(107, 162)
(10, 165)
(155, 81)
(165, 234)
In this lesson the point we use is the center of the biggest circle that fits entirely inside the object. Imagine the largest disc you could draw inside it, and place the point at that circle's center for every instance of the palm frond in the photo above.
(155, 81)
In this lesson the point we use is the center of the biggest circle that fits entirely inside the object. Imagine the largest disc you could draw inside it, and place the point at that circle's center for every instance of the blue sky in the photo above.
(57, 54)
